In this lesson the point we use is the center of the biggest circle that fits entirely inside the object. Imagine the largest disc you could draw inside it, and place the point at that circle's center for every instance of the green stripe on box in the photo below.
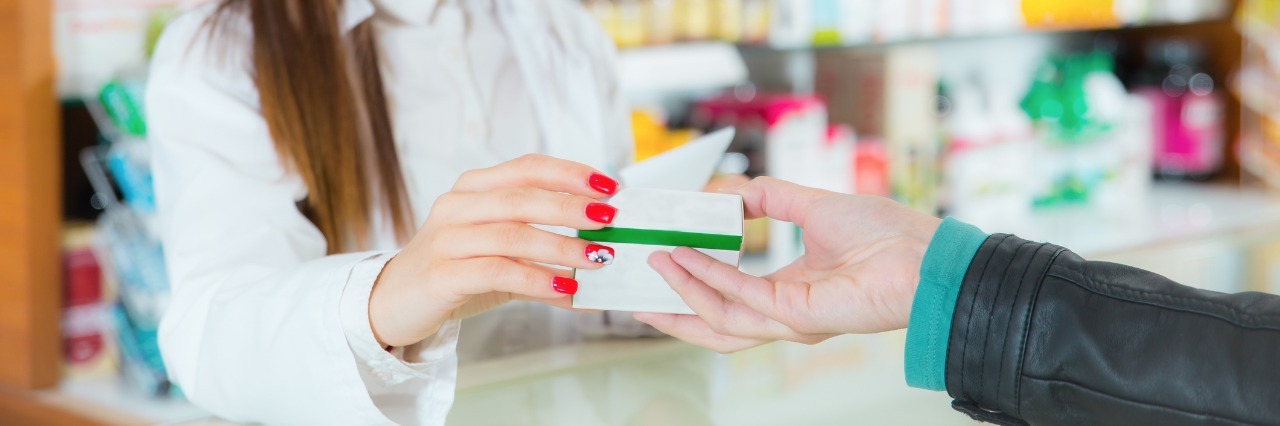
(655, 237)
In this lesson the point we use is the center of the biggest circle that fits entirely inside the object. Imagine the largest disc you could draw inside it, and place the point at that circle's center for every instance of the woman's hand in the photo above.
(477, 249)
(858, 274)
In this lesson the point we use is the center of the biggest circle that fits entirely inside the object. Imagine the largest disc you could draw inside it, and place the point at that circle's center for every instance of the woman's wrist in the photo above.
(383, 308)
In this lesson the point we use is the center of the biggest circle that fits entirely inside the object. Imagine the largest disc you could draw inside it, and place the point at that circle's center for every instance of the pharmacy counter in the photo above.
(647, 381)
(850, 379)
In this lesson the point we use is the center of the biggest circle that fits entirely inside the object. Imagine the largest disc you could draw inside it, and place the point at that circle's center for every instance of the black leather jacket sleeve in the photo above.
(1041, 336)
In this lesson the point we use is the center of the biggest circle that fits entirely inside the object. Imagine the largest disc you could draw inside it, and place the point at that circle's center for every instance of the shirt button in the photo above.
(476, 129)
(455, 53)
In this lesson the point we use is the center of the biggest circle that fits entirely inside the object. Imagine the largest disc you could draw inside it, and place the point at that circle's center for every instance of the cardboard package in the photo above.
(660, 208)
(651, 220)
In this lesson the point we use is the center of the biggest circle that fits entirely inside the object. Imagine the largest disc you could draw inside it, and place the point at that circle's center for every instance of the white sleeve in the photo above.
(262, 325)
(617, 108)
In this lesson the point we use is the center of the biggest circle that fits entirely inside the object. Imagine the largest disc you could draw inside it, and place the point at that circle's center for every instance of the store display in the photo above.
(1188, 110)
(656, 220)
(890, 95)
(128, 243)
(87, 347)
(805, 23)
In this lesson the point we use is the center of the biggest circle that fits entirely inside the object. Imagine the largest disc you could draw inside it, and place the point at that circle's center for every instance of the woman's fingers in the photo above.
(695, 330)
(520, 241)
(527, 205)
(539, 171)
(499, 274)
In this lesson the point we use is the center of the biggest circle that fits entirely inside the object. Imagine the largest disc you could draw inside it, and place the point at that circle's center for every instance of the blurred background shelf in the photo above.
(680, 68)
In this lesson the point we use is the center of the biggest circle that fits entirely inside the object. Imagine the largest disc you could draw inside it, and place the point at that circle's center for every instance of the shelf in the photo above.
(111, 400)
(1003, 33)
(1170, 213)
(680, 68)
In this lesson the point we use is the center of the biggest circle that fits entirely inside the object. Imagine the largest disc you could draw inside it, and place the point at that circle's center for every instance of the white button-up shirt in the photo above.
(263, 326)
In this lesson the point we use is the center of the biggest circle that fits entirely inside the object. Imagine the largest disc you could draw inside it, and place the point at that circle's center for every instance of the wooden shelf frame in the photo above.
(30, 197)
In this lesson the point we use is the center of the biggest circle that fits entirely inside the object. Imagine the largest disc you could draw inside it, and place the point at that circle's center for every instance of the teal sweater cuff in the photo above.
(941, 273)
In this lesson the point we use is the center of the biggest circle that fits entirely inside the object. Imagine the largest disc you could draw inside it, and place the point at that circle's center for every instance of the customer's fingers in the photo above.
(489, 274)
(724, 317)
(539, 171)
(755, 292)
(778, 199)
(695, 330)
(523, 204)
(520, 241)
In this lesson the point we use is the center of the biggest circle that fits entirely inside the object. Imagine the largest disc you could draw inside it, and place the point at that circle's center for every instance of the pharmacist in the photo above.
(1017, 331)
(298, 143)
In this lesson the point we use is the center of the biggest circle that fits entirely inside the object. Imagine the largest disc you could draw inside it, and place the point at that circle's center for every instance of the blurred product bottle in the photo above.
(964, 17)
(790, 24)
(694, 19)
(660, 15)
(837, 165)
(871, 165)
(123, 102)
(1187, 10)
(86, 349)
(755, 20)
(652, 137)
(1060, 14)
(826, 22)
(729, 20)
(632, 26)
(1187, 111)
(983, 127)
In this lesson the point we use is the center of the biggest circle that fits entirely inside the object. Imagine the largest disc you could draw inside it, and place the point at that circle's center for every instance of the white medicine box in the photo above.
(650, 220)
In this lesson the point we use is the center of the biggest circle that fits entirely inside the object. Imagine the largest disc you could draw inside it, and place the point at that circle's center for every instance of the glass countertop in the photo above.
(662, 381)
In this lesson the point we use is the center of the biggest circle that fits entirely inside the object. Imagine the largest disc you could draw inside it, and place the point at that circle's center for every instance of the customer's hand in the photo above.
(477, 249)
(858, 274)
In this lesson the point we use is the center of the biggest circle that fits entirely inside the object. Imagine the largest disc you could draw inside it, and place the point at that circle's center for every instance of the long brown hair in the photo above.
(321, 93)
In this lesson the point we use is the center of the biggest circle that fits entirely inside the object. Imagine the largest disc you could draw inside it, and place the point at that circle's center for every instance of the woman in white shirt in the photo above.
(299, 144)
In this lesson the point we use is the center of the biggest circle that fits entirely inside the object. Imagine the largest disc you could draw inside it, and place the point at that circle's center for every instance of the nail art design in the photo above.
(564, 285)
(599, 254)
(601, 212)
(602, 183)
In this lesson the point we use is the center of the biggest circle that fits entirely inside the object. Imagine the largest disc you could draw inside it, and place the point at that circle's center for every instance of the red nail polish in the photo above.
(602, 183)
(601, 212)
(599, 254)
(564, 285)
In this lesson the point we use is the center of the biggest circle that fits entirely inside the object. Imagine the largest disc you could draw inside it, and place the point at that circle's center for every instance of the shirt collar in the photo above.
(412, 11)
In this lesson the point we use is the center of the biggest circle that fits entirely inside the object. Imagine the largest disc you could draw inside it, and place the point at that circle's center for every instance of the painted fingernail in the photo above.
(602, 183)
(599, 254)
(564, 285)
(601, 212)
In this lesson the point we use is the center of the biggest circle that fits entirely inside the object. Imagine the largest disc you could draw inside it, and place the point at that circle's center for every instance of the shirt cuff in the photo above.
(395, 366)
(941, 274)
